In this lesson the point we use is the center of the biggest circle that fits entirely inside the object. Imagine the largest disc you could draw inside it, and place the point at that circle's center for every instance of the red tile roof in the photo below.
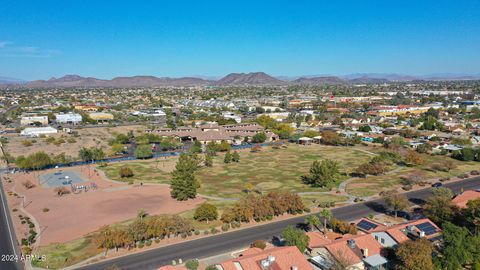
(462, 199)
(285, 259)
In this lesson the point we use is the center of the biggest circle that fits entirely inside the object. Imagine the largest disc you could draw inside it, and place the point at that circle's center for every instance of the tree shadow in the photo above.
(376, 206)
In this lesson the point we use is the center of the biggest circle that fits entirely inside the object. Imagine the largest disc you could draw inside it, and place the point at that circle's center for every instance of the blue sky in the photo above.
(41, 39)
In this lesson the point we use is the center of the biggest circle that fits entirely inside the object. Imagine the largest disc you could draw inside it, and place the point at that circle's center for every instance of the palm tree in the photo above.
(312, 221)
(326, 214)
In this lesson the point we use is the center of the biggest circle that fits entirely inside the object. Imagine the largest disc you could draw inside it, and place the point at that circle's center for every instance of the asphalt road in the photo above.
(214, 245)
(10, 257)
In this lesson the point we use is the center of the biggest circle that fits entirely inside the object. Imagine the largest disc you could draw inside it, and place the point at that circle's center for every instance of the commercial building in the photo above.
(68, 118)
(32, 120)
(38, 131)
(101, 116)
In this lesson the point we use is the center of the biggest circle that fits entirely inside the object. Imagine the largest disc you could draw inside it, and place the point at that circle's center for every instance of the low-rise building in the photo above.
(101, 116)
(38, 131)
(68, 118)
(32, 120)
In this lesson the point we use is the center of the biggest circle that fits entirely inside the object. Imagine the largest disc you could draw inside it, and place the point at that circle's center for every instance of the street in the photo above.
(222, 243)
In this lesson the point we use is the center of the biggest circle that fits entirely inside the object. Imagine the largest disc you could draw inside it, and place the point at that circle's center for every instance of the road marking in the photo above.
(7, 218)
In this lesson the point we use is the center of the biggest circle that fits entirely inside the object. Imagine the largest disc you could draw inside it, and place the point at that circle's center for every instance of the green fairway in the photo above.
(273, 169)
(147, 171)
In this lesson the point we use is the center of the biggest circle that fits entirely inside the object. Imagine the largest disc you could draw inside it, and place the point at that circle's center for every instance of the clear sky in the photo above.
(44, 38)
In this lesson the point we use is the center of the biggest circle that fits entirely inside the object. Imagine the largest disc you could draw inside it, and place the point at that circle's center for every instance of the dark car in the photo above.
(437, 184)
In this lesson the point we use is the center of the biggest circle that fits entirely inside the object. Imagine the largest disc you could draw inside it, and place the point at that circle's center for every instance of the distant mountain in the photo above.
(368, 80)
(135, 81)
(8, 80)
(232, 79)
(253, 78)
(319, 80)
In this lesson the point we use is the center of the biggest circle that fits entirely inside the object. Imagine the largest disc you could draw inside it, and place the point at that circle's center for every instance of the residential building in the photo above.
(463, 198)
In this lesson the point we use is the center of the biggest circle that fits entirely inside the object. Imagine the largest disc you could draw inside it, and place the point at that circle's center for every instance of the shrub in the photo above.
(140, 244)
(14, 210)
(197, 232)
(213, 230)
(126, 172)
(225, 227)
(206, 232)
(157, 240)
(28, 184)
(148, 243)
(261, 244)
(31, 225)
(407, 187)
(61, 191)
(475, 172)
(45, 210)
(192, 264)
(27, 143)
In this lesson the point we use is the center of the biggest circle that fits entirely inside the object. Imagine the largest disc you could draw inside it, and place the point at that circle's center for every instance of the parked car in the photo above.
(437, 184)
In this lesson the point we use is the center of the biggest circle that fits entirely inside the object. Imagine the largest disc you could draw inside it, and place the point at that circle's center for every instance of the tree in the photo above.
(439, 207)
(228, 157)
(259, 137)
(184, 185)
(395, 201)
(91, 154)
(143, 151)
(322, 174)
(35, 161)
(312, 221)
(206, 212)
(459, 247)
(235, 156)
(415, 255)
(296, 237)
(331, 138)
(311, 133)
(365, 128)
(126, 172)
(208, 162)
(192, 264)
(414, 158)
(327, 215)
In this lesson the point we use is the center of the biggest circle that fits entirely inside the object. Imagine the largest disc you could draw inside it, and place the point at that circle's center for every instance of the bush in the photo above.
(197, 232)
(157, 240)
(206, 232)
(475, 172)
(192, 264)
(45, 210)
(140, 244)
(27, 143)
(148, 243)
(28, 184)
(225, 227)
(126, 172)
(61, 191)
(261, 244)
(213, 230)
(407, 187)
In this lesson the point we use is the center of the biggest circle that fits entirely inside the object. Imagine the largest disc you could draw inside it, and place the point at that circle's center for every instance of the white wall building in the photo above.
(30, 120)
(37, 131)
(68, 118)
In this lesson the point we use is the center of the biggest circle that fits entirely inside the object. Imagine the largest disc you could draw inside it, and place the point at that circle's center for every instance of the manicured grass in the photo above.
(372, 185)
(311, 200)
(61, 255)
(147, 171)
(273, 169)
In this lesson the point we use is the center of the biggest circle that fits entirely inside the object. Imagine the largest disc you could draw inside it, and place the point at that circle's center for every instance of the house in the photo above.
(278, 258)
(68, 118)
(32, 120)
(463, 198)
(366, 249)
(38, 131)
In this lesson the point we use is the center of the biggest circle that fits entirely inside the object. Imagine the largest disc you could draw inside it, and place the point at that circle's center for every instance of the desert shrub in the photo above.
(213, 230)
(140, 244)
(28, 184)
(225, 227)
(45, 210)
(261, 244)
(61, 191)
(197, 232)
(27, 143)
(407, 187)
(126, 172)
(148, 243)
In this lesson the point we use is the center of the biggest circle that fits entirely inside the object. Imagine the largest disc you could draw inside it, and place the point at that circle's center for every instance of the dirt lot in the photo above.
(87, 137)
(74, 215)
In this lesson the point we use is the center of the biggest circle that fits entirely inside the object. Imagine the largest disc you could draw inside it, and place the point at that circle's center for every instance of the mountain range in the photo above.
(232, 79)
